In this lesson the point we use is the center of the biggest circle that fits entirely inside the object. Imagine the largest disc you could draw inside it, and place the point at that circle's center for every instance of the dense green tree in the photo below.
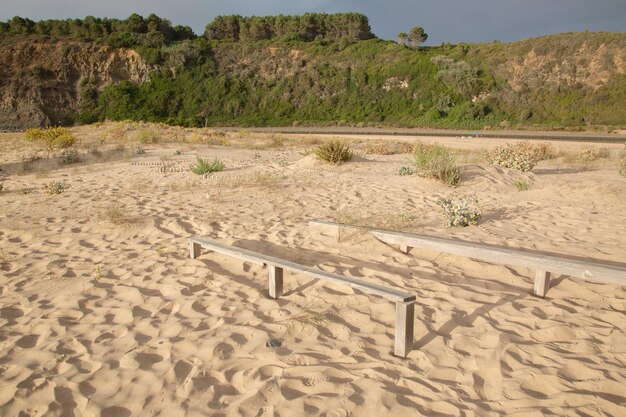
(417, 36)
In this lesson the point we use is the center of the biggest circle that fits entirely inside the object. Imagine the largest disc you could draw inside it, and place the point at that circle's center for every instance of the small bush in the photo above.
(378, 149)
(177, 152)
(116, 214)
(461, 212)
(405, 171)
(56, 187)
(591, 153)
(436, 161)
(52, 137)
(543, 151)
(203, 166)
(149, 136)
(335, 152)
(139, 150)
(522, 184)
(521, 156)
(69, 156)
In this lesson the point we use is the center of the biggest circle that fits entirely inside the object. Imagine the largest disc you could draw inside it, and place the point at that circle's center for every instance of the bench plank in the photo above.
(405, 303)
(586, 269)
(259, 258)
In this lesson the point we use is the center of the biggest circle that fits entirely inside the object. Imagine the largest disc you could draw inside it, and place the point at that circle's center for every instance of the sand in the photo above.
(102, 313)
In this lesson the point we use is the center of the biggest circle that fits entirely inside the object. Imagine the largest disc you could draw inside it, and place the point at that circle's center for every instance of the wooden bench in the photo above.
(544, 265)
(405, 303)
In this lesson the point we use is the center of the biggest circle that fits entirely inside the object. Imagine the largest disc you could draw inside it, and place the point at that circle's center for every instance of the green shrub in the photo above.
(522, 184)
(520, 156)
(69, 156)
(405, 171)
(139, 150)
(149, 136)
(56, 187)
(203, 166)
(52, 137)
(436, 161)
(461, 212)
(335, 152)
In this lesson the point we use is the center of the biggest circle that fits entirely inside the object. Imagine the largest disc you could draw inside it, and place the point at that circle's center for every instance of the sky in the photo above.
(443, 20)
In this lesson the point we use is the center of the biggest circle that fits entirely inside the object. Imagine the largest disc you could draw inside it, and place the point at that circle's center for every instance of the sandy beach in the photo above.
(103, 313)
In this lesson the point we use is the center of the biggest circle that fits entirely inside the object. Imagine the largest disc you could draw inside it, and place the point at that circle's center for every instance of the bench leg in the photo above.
(194, 250)
(405, 316)
(405, 248)
(276, 281)
(542, 283)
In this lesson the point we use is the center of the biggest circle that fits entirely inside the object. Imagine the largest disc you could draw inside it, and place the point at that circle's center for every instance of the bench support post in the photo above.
(275, 281)
(405, 248)
(542, 283)
(405, 316)
(194, 250)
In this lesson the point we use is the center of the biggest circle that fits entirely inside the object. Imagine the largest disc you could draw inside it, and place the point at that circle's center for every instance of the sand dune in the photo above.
(102, 313)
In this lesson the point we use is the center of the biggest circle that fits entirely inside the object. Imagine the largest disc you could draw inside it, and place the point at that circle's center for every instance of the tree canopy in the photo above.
(152, 31)
(308, 27)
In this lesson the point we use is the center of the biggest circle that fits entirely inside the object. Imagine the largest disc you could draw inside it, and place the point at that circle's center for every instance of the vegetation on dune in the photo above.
(330, 69)
(461, 212)
(204, 166)
(52, 137)
(436, 161)
(333, 151)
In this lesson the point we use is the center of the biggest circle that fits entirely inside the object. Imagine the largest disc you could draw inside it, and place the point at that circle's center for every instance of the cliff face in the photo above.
(590, 60)
(571, 79)
(41, 80)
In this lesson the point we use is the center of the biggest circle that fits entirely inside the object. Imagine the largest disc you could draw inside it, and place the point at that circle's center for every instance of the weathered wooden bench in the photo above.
(405, 303)
(543, 264)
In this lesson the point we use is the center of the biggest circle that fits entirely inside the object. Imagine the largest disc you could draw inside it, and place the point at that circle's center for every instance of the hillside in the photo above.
(309, 70)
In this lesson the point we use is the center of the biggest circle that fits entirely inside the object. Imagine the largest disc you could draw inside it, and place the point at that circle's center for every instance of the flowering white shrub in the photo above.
(521, 156)
(461, 212)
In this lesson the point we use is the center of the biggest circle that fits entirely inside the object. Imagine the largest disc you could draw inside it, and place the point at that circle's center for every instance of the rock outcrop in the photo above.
(41, 80)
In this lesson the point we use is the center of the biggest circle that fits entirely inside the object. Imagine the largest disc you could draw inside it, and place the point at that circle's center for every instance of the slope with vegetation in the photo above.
(310, 69)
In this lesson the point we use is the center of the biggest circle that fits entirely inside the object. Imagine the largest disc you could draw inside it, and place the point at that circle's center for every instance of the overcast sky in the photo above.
(443, 20)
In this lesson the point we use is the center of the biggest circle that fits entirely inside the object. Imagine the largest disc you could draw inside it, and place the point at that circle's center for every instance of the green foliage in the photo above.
(139, 150)
(149, 136)
(417, 36)
(462, 212)
(135, 30)
(436, 161)
(405, 171)
(521, 156)
(51, 137)
(308, 27)
(334, 151)
(320, 69)
(203, 166)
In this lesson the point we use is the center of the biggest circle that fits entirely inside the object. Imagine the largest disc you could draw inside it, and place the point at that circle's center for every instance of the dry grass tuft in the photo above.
(436, 161)
(116, 215)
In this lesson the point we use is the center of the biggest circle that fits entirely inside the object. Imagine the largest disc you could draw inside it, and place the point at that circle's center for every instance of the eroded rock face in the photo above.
(41, 80)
